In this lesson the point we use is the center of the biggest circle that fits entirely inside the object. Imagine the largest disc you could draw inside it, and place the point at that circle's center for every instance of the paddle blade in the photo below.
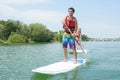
(85, 50)
(79, 51)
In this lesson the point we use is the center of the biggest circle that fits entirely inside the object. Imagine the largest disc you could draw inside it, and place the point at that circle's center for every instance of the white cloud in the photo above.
(42, 15)
(22, 1)
(34, 15)
(49, 18)
(7, 10)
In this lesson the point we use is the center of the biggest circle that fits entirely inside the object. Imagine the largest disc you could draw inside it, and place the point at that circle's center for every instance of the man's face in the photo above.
(70, 12)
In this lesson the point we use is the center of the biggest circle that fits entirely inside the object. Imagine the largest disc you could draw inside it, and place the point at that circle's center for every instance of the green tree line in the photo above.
(14, 31)
(58, 36)
(18, 32)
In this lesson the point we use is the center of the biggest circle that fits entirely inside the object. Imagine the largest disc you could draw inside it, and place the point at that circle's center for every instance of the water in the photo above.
(17, 61)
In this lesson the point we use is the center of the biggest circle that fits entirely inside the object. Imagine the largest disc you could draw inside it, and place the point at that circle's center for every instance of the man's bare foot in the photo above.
(75, 62)
(65, 60)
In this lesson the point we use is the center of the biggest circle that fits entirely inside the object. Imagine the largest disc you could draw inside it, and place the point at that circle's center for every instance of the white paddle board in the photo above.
(59, 67)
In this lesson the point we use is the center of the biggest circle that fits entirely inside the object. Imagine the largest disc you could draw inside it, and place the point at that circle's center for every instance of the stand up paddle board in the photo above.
(59, 67)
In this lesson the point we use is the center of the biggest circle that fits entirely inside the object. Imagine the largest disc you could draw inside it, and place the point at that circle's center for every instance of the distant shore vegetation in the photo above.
(14, 31)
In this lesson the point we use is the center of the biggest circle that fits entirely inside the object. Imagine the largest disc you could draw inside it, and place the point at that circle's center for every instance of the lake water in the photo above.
(17, 61)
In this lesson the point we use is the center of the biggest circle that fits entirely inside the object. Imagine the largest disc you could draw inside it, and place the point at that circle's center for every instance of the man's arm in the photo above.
(63, 20)
(80, 37)
(76, 25)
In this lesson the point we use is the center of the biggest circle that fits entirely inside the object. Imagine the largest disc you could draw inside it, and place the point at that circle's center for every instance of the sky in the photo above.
(96, 18)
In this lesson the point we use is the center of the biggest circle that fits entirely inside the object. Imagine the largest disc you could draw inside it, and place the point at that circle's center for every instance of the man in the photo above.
(70, 26)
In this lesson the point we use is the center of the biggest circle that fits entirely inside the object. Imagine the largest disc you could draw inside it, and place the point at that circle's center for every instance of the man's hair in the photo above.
(71, 9)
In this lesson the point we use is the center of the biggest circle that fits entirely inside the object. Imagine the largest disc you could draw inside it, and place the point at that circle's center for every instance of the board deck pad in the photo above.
(59, 67)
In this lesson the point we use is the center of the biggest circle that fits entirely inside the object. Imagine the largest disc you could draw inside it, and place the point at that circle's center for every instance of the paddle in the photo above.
(84, 50)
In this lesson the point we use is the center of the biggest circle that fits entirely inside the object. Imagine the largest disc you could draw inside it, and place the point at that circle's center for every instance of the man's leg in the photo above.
(73, 47)
(65, 55)
(75, 55)
(65, 42)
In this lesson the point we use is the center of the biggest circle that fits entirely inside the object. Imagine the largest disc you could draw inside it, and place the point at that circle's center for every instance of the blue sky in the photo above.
(97, 18)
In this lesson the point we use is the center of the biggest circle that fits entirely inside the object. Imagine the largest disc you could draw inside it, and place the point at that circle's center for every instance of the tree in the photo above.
(39, 33)
(2, 22)
(2, 28)
(10, 26)
(23, 29)
(58, 36)
(85, 38)
(17, 38)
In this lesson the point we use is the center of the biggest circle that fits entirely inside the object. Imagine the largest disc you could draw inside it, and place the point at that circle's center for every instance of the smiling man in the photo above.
(70, 27)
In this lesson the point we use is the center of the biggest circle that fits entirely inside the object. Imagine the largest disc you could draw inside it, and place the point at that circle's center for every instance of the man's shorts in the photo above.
(67, 39)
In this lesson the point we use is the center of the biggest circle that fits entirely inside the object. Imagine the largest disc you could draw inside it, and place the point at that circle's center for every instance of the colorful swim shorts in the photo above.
(67, 39)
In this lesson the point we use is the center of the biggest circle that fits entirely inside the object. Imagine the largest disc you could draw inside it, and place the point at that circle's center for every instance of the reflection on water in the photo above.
(65, 76)
(72, 75)
(38, 76)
